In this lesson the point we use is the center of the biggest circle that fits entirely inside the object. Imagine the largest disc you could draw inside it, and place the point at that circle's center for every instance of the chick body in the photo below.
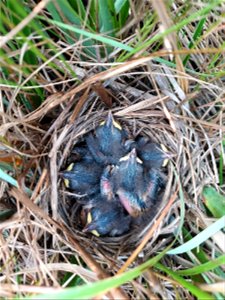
(82, 178)
(107, 220)
(152, 154)
(128, 183)
(107, 144)
(155, 182)
(83, 154)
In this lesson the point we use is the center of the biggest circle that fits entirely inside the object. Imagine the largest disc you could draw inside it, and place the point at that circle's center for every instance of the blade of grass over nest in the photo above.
(200, 238)
(184, 283)
(199, 255)
(200, 13)
(196, 35)
(95, 289)
(198, 252)
(210, 265)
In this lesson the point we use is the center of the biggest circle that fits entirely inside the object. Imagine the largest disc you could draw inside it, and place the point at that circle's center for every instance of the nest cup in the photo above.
(157, 130)
(162, 120)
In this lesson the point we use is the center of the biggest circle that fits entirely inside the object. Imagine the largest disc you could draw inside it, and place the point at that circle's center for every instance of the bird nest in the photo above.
(159, 115)
(73, 205)
(150, 104)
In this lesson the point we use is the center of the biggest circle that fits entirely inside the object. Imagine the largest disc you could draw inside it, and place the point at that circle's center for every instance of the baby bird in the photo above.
(155, 182)
(106, 145)
(82, 178)
(152, 154)
(107, 220)
(106, 183)
(128, 183)
(83, 154)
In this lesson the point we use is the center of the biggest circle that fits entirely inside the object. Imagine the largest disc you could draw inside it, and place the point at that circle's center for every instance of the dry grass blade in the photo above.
(40, 6)
(59, 98)
(79, 105)
(22, 198)
(214, 287)
(160, 8)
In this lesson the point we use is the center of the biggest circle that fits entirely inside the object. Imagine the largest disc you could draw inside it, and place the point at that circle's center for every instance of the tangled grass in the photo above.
(46, 110)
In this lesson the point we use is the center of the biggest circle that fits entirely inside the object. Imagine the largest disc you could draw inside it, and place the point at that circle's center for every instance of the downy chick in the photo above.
(107, 220)
(82, 178)
(107, 144)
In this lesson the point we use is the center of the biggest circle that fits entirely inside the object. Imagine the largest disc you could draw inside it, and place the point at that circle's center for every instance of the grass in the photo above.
(163, 65)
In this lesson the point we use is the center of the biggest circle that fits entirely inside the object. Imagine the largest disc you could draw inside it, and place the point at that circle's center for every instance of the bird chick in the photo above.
(155, 182)
(128, 183)
(83, 154)
(107, 220)
(82, 178)
(152, 154)
(106, 183)
(106, 145)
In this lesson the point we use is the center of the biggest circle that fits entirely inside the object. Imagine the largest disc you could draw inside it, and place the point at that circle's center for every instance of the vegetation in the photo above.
(159, 66)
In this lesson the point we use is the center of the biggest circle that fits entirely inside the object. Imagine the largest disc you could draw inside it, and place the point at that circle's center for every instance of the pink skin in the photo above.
(106, 188)
(106, 185)
(126, 204)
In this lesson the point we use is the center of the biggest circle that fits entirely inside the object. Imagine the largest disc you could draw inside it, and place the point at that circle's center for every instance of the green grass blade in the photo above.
(196, 35)
(119, 5)
(214, 201)
(106, 17)
(186, 284)
(123, 13)
(90, 35)
(210, 265)
(92, 290)
(78, 6)
(221, 163)
(201, 13)
(4, 176)
(69, 13)
(200, 238)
